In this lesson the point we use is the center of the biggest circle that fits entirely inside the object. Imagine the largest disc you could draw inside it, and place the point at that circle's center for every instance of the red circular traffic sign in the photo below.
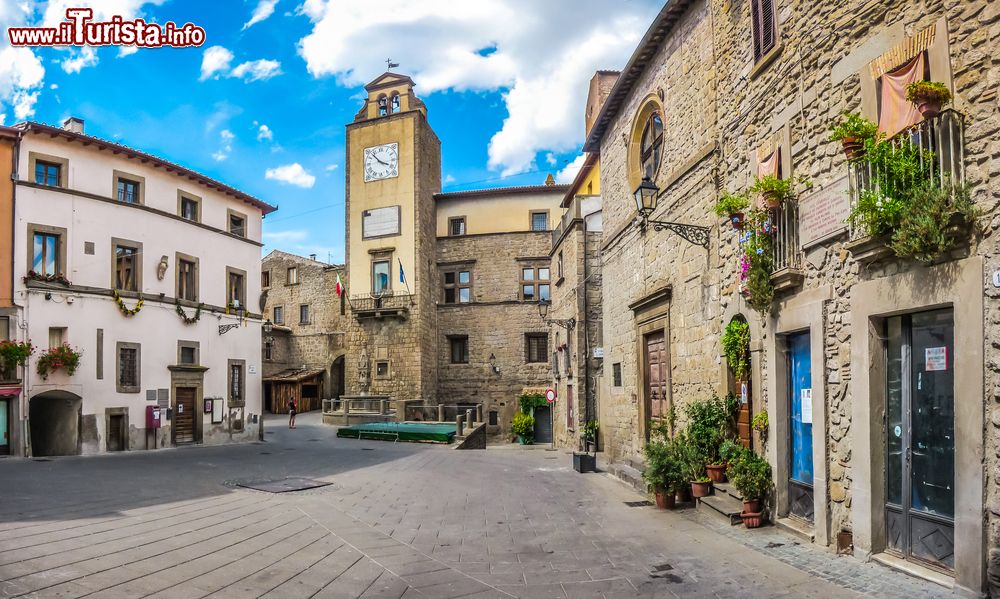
(550, 395)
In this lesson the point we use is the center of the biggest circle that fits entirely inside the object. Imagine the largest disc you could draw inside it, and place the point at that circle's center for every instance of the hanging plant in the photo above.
(736, 347)
(15, 353)
(188, 319)
(757, 260)
(55, 358)
(50, 278)
(125, 309)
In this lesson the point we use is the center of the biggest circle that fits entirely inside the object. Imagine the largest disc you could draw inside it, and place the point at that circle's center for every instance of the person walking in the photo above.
(291, 412)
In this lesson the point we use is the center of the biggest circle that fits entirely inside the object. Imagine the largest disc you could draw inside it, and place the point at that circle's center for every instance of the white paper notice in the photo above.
(807, 406)
(935, 358)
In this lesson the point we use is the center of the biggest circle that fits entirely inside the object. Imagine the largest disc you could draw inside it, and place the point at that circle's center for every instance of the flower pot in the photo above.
(699, 489)
(854, 148)
(929, 108)
(584, 462)
(751, 506)
(716, 472)
(524, 440)
(683, 495)
(737, 219)
(772, 200)
(665, 500)
(752, 519)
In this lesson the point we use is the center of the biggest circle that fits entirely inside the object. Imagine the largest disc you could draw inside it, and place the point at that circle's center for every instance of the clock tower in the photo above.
(393, 171)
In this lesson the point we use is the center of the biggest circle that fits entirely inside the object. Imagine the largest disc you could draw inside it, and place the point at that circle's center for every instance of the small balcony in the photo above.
(385, 306)
(941, 160)
(787, 266)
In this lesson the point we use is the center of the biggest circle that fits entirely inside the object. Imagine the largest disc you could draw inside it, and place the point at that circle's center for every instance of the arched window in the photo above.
(382, 106)
(651, 144)
(395, 103)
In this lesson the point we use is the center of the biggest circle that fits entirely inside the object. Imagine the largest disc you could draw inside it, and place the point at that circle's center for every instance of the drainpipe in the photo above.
(588, 407)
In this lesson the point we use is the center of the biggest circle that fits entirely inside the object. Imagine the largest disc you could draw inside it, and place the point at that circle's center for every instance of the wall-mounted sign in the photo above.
(743, 393)
(380, 222)
(807, 406)
(252, 369)
(218, 410)
(598, 352)
(822, 214)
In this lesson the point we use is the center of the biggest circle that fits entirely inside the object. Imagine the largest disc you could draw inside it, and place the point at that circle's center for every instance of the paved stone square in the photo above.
(398, 520)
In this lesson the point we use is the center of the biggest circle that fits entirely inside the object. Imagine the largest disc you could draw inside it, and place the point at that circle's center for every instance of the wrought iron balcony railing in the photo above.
(938, 149)
(786, 237)
(366, 306)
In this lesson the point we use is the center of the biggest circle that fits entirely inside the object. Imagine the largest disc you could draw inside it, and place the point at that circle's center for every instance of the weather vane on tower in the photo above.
(389, 64)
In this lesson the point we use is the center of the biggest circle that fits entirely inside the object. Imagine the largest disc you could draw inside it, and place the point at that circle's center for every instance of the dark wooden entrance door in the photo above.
(543, 424)
(184, 416)
(741, 389)
(920, 437)
(656, 378)
(116, 432)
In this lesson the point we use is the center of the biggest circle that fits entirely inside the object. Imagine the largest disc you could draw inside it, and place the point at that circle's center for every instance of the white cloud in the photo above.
(551, 159)
(331, 167)
(264, 133)
(215, 61)
(265, 8)
(568, 173)
(292, 174)
(21, 75)
(448, 180)
(54, 86)
(518, 47)
(256, 70)
(79, 59)
(127, 51)
(226, 138)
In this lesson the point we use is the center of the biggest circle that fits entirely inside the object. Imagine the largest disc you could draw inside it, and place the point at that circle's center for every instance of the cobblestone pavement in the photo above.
(398, 520)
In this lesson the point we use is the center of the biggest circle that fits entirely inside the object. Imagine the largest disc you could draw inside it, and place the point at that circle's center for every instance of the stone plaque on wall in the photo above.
(822, 214)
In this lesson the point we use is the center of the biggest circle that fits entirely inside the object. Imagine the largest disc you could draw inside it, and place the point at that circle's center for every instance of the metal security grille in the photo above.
(128, 371)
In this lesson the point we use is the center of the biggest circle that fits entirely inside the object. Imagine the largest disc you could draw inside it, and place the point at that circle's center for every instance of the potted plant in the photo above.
(733, 207)
(751, 476)
(773, 190)
(852, 131)
(524, 427)
(928, 97)
(935, 219)
(710, 421)
(584, 461)
(661, 472)
(55, 358)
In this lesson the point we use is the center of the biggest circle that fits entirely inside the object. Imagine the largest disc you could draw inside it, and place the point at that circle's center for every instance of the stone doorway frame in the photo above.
(108, 413)
(190, 377)
(801, 313)
(652, 314)
(959, 285)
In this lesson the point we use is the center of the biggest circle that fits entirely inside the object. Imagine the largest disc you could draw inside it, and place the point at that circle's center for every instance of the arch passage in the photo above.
(54, 419)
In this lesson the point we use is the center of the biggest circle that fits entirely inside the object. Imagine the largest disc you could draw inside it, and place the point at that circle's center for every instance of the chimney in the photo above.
(312, 257)
(73, 124)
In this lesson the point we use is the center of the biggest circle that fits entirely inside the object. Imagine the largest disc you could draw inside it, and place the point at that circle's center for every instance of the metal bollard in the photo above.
(459, 426)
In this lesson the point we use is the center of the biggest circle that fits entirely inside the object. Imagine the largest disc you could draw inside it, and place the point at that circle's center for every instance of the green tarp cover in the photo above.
(407, 431)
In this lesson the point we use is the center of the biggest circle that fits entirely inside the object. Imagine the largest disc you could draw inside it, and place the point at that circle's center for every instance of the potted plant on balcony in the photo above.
(55, 358)
(733, 206)
(13, 354)
(773, 190)
(852, 131)
(751, 476)
(524, 427)
(928, 97)
(936, 217)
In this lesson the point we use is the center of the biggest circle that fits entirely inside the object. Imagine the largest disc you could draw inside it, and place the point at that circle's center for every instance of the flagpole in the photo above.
(402, 277)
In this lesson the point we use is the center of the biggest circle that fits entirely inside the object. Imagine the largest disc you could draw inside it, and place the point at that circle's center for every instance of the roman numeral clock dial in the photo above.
(381, 162)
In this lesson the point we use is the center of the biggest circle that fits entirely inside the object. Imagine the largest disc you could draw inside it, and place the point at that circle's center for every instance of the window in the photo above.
(535, 284)
(236, 288)
(395, 103)
(383, 104)
(616, 374)
(237, 224)
(292, 277)
(457, 287)
(536, 347)
(265, 279)
(189, 355)
(279, 315)
(456, 226)
(57, 336)
(304, 314)
(651, 144)
(48, 173)
(382, 369)
(188, 208)
(763, 27)
(127, 379)
(539, 221)
(381, 276)
(236, 383)
(459, 349)
(187, 280)
(128, 191)
(45, 256)
(126, 267)
(559, 266)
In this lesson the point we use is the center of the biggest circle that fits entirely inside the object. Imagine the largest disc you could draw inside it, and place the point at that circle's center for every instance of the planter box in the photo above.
(869, 249)
(584, 462)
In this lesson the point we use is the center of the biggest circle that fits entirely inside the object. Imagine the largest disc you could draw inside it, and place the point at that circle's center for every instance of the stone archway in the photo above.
(337, 378)
(743, 387)
(54, 421)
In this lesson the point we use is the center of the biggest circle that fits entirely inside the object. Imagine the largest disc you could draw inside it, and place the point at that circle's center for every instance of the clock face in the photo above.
(381, 162)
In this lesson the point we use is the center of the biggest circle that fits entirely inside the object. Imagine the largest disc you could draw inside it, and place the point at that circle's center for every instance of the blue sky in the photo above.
(504, 82)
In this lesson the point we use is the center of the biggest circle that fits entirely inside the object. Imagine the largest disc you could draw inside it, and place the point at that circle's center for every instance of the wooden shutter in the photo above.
(763, 26)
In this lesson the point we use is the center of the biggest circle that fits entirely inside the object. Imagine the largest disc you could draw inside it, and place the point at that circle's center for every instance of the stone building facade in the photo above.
(438, 312)
(734, 103)
(309, 324)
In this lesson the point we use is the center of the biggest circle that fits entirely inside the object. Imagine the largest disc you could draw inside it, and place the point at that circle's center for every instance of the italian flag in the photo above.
(340, 286)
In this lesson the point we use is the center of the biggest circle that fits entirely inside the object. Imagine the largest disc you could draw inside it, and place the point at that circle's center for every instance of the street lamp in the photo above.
(268, 327)
(646, 197)
(543, 311)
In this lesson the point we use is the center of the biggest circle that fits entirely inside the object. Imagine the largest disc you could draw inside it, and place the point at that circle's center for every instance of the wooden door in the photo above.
(741, 389)
(116, 432)
(656, 377)
(184, 416)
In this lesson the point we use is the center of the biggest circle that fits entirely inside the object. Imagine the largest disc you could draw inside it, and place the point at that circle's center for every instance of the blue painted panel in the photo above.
(801, 424)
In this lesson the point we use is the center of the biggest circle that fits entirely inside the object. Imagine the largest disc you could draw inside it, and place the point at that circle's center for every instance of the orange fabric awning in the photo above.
(896, 112)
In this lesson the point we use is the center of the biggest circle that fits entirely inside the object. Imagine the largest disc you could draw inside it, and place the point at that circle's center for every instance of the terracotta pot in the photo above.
(854, 148)
(772, 200)
(737, 219)
(929, 108)
(752, 506)
(701, 489)
(665, 500)
(752, 520)
(683, 496)
(716, 472)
